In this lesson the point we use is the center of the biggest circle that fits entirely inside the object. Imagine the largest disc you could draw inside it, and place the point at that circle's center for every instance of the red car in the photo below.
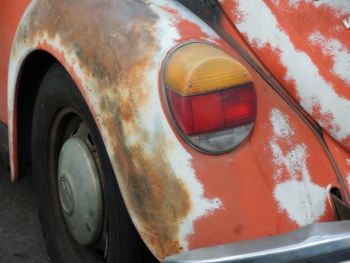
(181, 130)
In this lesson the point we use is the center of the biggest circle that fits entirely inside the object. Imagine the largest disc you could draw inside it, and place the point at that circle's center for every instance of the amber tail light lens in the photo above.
(219, 116)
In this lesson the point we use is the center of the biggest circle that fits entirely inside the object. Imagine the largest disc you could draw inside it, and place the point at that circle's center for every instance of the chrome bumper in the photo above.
(313, 242)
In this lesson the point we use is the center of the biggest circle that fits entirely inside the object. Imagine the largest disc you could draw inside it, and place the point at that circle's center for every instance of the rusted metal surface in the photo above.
(178, 198)
(117, 71)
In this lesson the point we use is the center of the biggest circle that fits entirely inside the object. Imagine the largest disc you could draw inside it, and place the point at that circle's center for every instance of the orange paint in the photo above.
(246, 180)
(10, 14)
(310, 26)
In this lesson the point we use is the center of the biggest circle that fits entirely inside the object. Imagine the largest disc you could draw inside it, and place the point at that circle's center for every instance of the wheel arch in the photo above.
(33, 70)
(118, 76)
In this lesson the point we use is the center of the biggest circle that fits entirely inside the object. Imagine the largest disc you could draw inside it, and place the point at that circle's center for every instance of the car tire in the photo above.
(59, 106)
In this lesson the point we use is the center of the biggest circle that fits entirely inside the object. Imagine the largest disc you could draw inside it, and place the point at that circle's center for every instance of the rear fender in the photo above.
(179, 199)
(113, 51)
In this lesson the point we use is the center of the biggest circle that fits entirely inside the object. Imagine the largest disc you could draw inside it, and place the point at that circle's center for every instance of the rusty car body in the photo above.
(293, 170)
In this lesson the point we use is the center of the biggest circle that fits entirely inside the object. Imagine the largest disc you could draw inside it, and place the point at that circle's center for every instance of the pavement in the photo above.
(21, 239)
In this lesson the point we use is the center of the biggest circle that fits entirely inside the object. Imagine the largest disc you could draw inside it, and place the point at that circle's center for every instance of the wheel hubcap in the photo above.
(66, 195)
(80, 191)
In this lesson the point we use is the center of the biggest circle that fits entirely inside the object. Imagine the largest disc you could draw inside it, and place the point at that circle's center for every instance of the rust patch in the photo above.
(160, 200)
(114, 42)
(238, 230)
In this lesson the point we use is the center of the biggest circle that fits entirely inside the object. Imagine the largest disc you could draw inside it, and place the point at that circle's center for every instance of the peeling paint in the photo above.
(303, 201)
(334, 48)
(180, 199)
(299, 69)
(120, 84)
(296, 194)
(280, 124)
(341, 6)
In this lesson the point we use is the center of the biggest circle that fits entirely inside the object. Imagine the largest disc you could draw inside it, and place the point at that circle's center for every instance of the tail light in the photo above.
(210, 97)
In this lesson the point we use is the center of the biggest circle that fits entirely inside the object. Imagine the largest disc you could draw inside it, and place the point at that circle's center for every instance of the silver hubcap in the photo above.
(80, 191)
(66, 195)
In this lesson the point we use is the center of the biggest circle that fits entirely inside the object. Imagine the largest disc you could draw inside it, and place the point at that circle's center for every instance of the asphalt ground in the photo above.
(21, 239)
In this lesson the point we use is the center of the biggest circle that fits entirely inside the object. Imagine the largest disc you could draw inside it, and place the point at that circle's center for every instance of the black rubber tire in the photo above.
(58, 90)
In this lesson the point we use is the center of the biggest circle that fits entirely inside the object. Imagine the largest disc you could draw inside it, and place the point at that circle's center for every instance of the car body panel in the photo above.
(306, 46)
(179, 199)
(10, 15)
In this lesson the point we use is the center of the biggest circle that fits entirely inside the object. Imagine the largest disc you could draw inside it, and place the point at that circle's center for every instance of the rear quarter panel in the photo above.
(306, 46)
(178, 198)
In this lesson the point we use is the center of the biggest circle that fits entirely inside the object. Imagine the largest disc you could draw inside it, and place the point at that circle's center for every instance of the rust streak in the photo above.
(114, 43)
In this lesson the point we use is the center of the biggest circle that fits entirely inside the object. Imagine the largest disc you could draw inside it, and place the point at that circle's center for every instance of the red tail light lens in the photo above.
(239, 106)
(204, 117)
(214, 111)
(210, 97)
